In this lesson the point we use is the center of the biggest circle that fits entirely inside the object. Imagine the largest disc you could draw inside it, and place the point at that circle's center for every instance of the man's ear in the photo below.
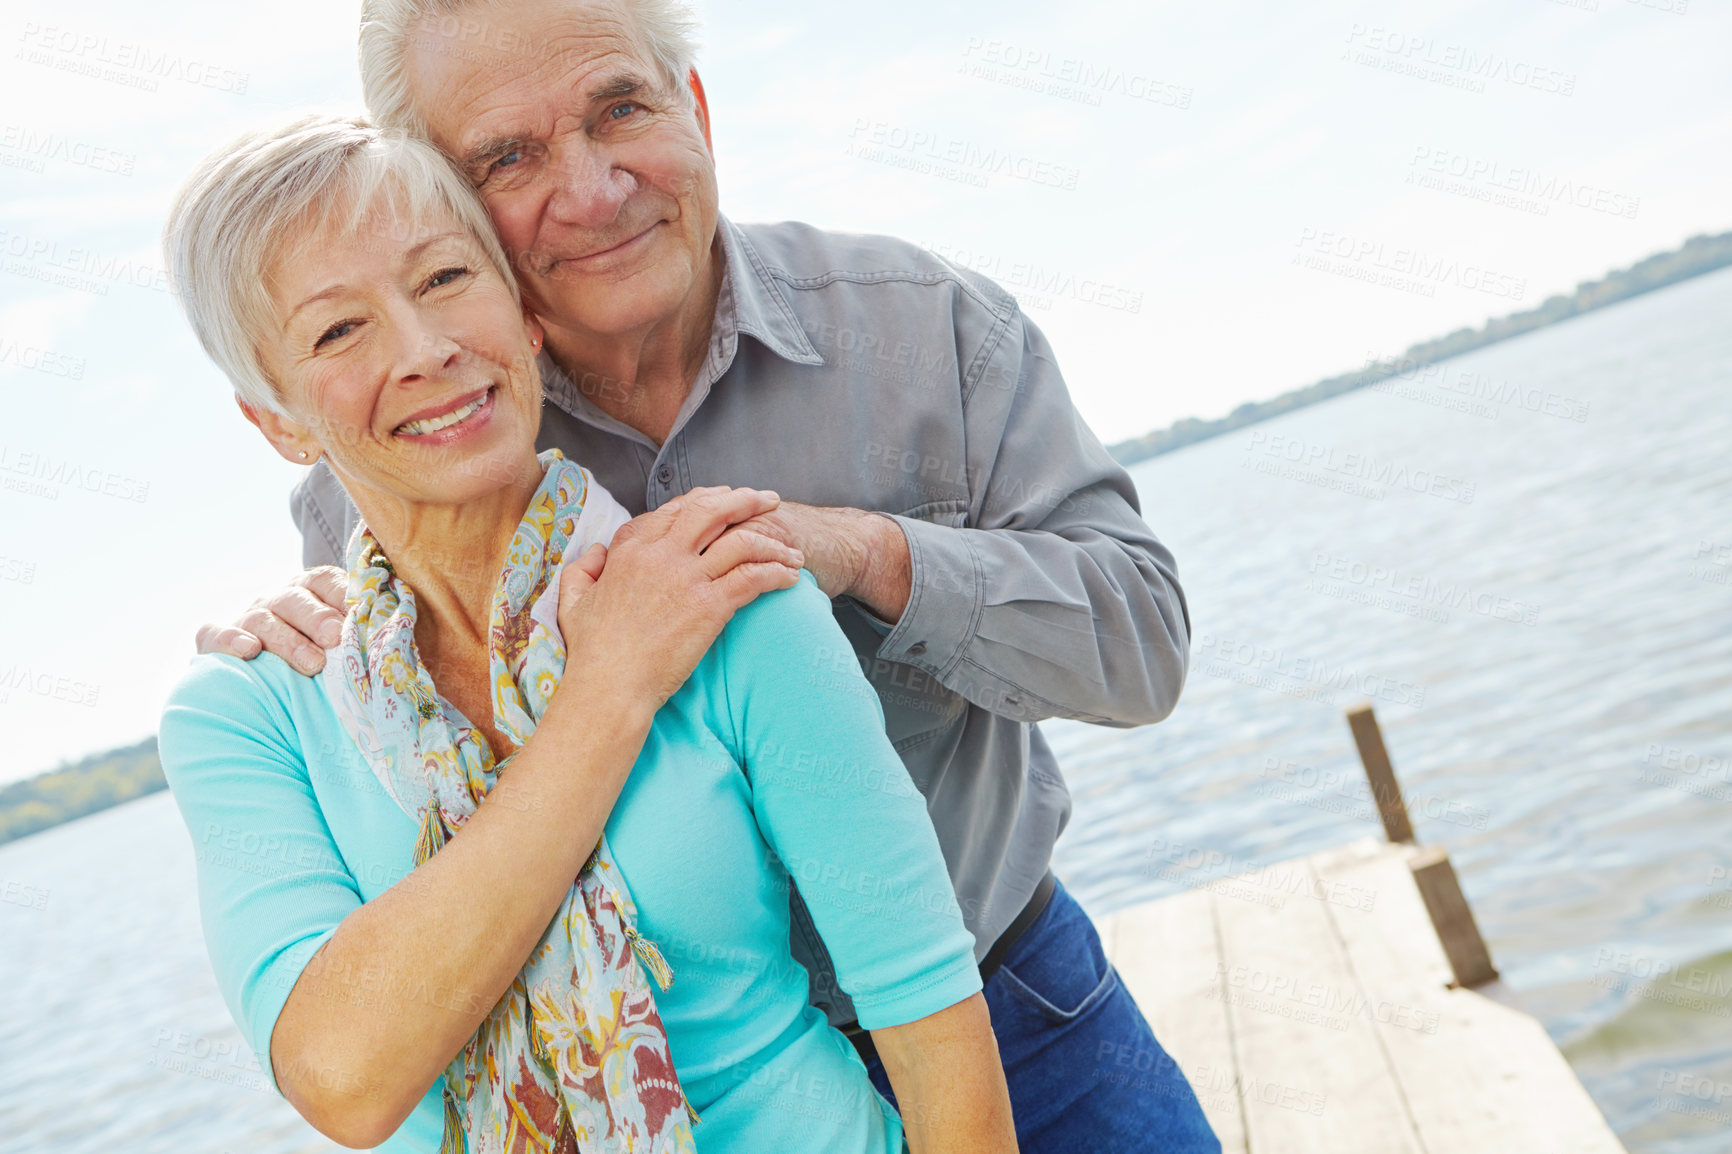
(532, 328)
(292, 442)
(703, 107)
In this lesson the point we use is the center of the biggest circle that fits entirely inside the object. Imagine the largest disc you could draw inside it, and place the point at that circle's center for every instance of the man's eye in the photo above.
(445, 276)
(335, 333)
(507, 160)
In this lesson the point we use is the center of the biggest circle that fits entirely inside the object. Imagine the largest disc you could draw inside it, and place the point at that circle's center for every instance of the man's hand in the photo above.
(849, 551)
(297, 623)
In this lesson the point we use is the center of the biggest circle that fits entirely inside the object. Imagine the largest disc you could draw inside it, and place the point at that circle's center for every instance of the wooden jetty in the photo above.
(1345, 1003)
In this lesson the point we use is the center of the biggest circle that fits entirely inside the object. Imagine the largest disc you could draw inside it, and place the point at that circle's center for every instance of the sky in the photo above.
(1201, 205)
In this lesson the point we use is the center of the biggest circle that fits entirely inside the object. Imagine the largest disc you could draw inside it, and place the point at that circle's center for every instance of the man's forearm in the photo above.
(887, 577)
(1069, 621)
(1081, 619)
(850, 552)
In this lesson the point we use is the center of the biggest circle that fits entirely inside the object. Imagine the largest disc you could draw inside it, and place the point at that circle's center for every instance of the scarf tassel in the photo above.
(432, 838)
(453, 1141)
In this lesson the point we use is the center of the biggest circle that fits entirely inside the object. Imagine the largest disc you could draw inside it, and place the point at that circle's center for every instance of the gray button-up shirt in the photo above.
(863, 371)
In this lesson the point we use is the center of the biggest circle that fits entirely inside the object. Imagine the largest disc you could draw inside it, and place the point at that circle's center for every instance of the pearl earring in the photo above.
(303, 454)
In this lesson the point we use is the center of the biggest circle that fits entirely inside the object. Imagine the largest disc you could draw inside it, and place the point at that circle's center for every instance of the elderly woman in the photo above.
(387, 854)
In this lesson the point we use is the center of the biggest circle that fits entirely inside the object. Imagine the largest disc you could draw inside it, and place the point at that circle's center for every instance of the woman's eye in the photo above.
(335, 333)
(621, 111)
(445, 276)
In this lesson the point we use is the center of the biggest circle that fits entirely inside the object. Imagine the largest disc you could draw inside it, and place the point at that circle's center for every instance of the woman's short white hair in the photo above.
(666, 28)
(248, 205)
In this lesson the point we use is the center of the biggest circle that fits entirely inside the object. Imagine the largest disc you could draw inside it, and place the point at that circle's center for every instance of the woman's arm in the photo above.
(949, 1081)
(401, 983)
(467, 919)
(407, 978)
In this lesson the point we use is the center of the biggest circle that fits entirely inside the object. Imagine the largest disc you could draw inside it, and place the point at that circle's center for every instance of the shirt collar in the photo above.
(751, 301)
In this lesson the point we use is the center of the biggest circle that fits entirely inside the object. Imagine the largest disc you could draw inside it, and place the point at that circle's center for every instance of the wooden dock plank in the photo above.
(1477, 1076)
(1314, 1075)
(1169, 958)
(1318, 991)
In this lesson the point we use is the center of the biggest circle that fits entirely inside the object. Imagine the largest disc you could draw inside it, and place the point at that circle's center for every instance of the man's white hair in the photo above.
(249, 204)
(666, 29)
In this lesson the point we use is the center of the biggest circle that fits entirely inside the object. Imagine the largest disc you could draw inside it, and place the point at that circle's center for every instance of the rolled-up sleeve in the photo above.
(1054, 599)
(272, 885)
(837, 807)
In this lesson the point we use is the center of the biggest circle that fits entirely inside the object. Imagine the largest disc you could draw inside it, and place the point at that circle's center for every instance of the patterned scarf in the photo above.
(574, 1056)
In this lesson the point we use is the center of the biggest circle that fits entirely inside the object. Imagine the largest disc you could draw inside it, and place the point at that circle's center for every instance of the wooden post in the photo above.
(1362, 720)
(1451, 917)
(1434, 877)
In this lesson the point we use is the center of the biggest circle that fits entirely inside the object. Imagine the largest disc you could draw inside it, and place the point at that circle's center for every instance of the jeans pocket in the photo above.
(1065, 1000)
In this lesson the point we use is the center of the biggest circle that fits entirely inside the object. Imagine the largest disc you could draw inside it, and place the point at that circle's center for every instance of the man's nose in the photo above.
(588, 190)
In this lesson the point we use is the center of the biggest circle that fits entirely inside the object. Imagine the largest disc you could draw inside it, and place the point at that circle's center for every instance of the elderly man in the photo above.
(986, 556)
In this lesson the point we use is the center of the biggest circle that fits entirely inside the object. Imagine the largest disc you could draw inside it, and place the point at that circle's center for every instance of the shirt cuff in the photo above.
(944, 600)
(274, 985)
(956, 982)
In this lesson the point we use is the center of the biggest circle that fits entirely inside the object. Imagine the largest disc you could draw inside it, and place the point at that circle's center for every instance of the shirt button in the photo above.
(917, 649)
(665, 475)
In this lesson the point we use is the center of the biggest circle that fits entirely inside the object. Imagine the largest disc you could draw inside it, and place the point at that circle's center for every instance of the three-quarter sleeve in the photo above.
(836, 806)
(272, 885)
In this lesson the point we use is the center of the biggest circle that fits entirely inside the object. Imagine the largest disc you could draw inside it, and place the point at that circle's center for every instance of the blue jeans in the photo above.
(1086, 1075)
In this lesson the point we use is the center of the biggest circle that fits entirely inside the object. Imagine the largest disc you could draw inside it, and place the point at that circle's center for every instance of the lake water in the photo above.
(1522, 557)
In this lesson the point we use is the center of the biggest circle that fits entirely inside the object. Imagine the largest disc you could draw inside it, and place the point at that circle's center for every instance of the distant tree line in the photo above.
(97, 782)
(1700, 254)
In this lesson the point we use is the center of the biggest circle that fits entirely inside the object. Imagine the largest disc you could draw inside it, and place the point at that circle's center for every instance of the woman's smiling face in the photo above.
(401, 356)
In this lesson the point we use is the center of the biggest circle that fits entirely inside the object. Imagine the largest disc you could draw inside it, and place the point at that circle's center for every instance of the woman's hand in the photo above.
(949, 1081)
(637, 618)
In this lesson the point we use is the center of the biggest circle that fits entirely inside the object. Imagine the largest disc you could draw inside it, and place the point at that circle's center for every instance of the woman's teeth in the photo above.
(434, 424)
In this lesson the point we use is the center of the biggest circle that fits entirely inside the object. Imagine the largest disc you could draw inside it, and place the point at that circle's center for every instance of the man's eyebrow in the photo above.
(616, 86)
(489, 149)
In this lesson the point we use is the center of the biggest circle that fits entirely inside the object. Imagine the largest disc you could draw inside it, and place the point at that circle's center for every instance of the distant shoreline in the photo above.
(96, 783)
(1698, 256)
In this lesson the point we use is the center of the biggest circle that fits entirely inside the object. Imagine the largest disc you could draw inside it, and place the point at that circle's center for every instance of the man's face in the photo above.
(597, 175)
